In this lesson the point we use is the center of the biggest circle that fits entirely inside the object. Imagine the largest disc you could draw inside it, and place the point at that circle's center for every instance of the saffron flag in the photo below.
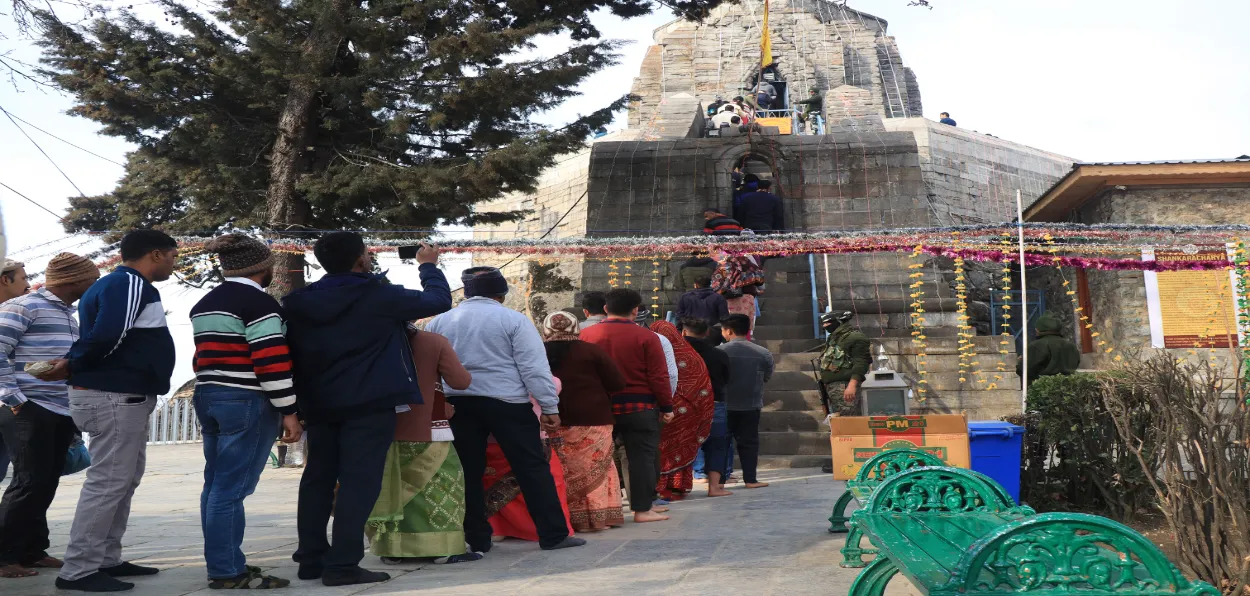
(766, 42)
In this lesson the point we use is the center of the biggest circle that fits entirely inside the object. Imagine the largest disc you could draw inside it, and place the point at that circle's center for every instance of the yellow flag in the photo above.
(766, 42)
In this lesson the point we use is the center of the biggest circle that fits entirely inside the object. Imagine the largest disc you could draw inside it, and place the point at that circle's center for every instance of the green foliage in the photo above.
(425, 111)
(1074, 458)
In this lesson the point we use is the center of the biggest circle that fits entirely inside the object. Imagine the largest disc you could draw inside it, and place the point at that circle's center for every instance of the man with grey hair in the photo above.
(13, 283)
(502, 350)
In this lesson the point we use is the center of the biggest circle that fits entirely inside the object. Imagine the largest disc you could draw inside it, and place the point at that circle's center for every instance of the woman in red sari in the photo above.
(681, 438)
(505, 505)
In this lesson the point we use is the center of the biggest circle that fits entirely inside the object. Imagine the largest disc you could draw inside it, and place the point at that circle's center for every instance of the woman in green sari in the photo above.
(420, 512)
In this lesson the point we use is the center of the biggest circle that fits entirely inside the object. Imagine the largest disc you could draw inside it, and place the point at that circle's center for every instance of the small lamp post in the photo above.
(885, 392)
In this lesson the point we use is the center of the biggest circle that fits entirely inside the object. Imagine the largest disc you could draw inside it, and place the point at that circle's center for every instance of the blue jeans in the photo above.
(717, 456)
(239, 428)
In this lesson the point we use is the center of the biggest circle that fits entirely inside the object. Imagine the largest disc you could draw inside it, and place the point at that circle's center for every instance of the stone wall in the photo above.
(816, 44)
(1119, 297)
(972, 177)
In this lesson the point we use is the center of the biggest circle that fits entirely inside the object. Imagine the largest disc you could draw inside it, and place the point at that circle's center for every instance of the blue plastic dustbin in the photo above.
(996, 448)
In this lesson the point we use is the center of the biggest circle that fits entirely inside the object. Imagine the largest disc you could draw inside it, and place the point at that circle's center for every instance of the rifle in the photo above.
(824, 391)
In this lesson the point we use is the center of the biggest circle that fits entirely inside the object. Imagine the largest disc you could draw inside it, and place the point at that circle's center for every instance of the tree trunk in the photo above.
(286, 210)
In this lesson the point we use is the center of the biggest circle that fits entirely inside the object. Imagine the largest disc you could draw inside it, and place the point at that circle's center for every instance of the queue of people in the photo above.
(431, 430)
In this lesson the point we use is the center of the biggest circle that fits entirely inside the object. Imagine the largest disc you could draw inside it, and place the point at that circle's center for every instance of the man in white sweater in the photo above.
(501, 348)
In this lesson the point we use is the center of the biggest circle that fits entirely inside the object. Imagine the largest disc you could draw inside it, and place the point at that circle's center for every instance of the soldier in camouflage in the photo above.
(844, 362)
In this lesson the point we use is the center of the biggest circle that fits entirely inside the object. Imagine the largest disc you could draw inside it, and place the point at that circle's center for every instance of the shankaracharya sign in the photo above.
(1191, 308)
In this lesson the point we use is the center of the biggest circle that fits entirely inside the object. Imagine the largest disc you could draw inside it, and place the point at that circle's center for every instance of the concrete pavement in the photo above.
(766, 541)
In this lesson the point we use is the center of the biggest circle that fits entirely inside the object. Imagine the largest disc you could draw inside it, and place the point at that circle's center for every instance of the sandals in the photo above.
(252, 579)
(16, 571)
(47, 563)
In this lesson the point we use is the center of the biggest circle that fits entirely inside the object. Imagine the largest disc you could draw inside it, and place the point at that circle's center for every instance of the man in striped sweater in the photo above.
(36, 327)
(243, 396)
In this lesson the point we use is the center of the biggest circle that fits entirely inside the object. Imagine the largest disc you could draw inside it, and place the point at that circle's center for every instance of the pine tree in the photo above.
(329, 114)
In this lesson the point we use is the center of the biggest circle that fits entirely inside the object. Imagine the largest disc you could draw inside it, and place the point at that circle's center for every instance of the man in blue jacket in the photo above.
(353, 371)
(761, 211)
(117, 369)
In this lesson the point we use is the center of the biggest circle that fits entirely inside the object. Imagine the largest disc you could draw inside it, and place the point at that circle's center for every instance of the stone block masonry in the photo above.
(817, 44)
(971, 177)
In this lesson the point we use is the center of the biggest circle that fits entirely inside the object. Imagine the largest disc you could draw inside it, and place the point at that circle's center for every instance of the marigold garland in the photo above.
(919, 339)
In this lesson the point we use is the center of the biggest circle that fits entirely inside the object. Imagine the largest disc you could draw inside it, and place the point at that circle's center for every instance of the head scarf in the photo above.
(560, 326)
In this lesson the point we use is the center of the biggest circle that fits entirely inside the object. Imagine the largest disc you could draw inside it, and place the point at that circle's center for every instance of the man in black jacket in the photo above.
(761, 211)
(353, 370)
(702, 303)
(716, 454)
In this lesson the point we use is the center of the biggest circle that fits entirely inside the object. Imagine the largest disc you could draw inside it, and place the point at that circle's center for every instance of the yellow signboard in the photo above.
(1196, 308)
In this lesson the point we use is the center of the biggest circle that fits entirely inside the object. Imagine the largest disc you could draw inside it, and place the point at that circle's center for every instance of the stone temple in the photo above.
(879, 164)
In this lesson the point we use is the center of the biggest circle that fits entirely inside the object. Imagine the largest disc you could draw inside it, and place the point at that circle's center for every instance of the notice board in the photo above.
(1191, 308)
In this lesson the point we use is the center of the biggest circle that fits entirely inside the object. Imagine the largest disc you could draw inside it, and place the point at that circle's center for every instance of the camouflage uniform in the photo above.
(847, 355)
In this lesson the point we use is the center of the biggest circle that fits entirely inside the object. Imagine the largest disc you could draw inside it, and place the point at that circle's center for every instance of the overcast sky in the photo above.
(1098, 80)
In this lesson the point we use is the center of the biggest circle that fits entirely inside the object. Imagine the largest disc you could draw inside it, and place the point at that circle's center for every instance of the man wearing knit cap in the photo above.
(353, 371)
(243, 395)
(34, 419)
(502, 350)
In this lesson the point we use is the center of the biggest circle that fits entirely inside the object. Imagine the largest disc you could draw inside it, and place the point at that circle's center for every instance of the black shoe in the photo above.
(358, 575)
(568, 542)
(96, 582)
(827, 467)
(128, 569)
(309, 571)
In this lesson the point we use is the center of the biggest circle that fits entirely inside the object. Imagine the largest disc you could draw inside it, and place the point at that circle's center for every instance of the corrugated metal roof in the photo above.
(1161, 162)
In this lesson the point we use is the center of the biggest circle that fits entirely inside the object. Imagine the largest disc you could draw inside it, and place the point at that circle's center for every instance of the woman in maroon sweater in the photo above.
(584, 441)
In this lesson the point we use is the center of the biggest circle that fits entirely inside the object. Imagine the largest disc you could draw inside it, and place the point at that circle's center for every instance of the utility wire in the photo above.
(45, 154)
(27, 123)
(33, 201)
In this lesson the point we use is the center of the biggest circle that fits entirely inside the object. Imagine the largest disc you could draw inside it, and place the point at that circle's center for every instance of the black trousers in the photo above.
(639, 432)
(516, 430)
(744, 426)
(350, 454)
(38, 441)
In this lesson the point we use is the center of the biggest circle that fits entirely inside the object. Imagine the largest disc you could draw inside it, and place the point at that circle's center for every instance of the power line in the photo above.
(32, 201)
(45, 153)
(27, 123)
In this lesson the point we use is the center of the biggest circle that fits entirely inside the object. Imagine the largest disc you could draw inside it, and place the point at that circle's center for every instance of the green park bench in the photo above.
(956, 532)
(874, 471)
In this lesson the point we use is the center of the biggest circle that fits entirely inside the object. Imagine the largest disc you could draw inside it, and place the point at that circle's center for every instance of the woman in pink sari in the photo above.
(584, 439)
(692, 404)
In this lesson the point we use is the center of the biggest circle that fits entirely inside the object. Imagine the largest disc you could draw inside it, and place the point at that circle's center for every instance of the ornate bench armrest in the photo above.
(1070, 552)
(895, 461)
(933, 490)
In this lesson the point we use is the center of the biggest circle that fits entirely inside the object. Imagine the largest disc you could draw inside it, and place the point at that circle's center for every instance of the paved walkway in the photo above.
(757, 542)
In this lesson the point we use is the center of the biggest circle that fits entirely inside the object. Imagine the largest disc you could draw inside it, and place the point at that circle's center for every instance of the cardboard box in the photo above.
(856, 439)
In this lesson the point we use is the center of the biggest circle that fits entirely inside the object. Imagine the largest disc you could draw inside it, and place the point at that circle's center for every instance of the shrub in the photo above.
(1074, 458)
(1195, 452)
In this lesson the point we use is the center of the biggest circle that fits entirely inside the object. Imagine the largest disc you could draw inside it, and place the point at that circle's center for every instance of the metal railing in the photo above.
(174, 422)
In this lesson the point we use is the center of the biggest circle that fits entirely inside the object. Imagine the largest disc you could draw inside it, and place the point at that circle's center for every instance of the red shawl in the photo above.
(692, 404)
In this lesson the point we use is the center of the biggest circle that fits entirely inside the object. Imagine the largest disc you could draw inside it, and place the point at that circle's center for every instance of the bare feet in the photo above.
(718, 492)
(49, 563)
(16, 571)
(642, 517)
(756, 484)
(700, 480)
(660, 509)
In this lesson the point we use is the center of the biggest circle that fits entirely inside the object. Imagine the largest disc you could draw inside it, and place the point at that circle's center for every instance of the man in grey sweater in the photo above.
(750, 367)
(502, 349)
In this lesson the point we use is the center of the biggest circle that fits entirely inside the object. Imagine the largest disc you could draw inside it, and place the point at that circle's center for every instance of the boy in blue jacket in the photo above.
(353, 368)
(117, 369)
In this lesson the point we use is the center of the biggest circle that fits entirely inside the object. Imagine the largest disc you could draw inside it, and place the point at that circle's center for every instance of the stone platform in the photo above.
(756, 542)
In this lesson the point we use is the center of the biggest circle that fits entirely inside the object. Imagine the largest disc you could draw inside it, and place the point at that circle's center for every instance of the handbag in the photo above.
(77, 460)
